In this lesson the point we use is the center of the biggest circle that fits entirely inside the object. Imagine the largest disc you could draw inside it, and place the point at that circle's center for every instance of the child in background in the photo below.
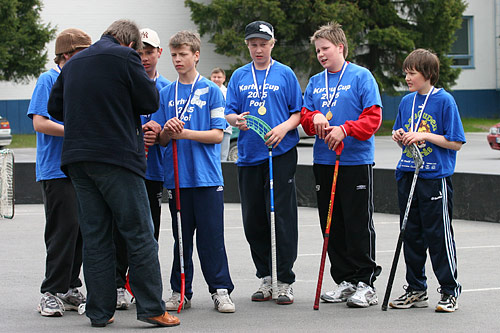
(192, 113)
(218, 76)
(428, 117)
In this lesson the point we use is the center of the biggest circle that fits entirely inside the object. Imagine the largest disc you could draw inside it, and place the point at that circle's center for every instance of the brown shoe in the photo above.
(110, 321)
(162, 320)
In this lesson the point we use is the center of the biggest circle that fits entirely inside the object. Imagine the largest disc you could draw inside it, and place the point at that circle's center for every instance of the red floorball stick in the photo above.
(338, 151)
(179, 225)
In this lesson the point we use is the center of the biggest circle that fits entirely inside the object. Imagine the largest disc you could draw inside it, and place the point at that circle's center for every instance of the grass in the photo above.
(470, 125)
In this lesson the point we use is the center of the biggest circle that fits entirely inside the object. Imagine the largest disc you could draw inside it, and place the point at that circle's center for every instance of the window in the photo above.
(461, 50)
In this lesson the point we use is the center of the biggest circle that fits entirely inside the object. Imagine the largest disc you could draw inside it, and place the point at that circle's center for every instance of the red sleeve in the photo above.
(306, 120)
(367, 124)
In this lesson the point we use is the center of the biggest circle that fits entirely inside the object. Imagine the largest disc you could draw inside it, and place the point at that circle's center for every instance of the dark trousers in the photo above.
(255, 205)
(351, 247)
(429, 228)
(155, 195)
(202, 210)
(63, 240)
(108, 193)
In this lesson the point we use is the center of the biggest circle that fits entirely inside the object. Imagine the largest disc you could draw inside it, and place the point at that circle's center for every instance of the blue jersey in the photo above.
(48, 147)
(356, 91)
(154, 169)
(282, 97)
(440, 117)
(199, 163)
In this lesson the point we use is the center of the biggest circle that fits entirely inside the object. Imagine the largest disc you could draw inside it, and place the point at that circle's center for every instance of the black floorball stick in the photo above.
(417, 159)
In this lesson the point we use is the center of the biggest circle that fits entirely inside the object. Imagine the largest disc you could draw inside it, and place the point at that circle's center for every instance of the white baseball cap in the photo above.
(149, 36)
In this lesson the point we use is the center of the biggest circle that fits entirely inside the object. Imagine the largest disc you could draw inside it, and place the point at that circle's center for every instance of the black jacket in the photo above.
(100, 95)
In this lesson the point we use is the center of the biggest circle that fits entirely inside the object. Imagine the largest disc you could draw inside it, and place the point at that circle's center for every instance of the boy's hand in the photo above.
(151, 126)
(334, 137)
(173, 126)
(397, 135)
(241, 122)
(150, 138)
(413, 137)
(320, 124)
(275, 135)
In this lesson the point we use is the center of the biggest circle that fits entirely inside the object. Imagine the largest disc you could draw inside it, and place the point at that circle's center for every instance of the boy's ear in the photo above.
(159, 51)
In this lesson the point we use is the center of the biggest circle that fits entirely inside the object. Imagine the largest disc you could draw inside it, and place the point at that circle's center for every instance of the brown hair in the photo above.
(126, 32)
(185, 37)
(332, 32)
(425, 62)
(218, 70)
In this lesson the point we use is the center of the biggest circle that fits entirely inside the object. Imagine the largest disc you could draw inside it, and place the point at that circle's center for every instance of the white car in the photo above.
(5, 136)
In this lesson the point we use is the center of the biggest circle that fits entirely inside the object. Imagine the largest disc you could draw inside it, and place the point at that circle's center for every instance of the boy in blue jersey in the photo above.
(63, 240)
(428, 117)
(269, 90)
(150, 53)
(192, 113)
(342, 104)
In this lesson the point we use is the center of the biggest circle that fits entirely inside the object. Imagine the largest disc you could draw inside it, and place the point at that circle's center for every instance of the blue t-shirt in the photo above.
(48, 147)
(154, 169)
(357, 91)
(440, 117)
(199, 163)
(282, 97)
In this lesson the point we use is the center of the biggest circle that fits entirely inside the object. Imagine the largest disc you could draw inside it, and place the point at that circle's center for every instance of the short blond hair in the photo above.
(185, 37)
(332, 32)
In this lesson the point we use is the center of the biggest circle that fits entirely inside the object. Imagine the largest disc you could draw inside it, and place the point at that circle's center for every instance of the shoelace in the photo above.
(53, 302)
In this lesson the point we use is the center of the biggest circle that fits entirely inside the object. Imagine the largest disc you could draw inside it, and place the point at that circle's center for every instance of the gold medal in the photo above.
(262, 110)
(329, 115)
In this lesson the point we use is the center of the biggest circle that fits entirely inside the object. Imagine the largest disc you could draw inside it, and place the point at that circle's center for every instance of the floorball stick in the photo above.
(6, 184)
(417, 159)
(179, 226)
(261, 128)
(338, 151)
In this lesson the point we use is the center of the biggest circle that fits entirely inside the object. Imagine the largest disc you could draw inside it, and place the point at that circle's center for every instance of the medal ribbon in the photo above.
(183, 111)
(415, 128)
(328, 98)
(265, 78)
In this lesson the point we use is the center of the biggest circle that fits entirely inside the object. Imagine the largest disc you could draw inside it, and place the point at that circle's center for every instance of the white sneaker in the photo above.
(363, 297)
(285, 293)
(72, 299)
(341, 294)
(222, 301)
(50, 306)
(122, 302)
(173, 302)
(264, 293)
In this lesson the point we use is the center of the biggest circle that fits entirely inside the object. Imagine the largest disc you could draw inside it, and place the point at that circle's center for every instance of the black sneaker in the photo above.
(448, 303)
(411, 298)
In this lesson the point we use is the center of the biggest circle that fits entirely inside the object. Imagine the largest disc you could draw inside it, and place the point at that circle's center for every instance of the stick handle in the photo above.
(179, 224)
(274, 261)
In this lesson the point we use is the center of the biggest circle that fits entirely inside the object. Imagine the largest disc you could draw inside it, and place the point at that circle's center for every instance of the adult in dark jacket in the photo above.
(100, 95)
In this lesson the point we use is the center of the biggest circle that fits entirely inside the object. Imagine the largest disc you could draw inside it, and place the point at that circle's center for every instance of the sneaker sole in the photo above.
(49, 314)
(439, 308)
(334, 300)
(363, 305)
(254, 299)
(284, 302)
(154, 322)
(123, 306)
(422, 304)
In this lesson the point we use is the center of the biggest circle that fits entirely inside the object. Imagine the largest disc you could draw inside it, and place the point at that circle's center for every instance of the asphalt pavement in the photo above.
(478, 245)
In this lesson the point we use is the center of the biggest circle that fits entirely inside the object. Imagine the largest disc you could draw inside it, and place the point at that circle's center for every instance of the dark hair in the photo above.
(126, 32)
(425, 62)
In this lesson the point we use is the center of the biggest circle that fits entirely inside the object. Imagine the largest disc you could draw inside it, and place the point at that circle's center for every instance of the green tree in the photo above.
(22, 40)
(380, 33)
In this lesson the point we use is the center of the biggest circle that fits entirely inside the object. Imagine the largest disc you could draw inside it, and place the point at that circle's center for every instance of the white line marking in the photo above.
(480, 289)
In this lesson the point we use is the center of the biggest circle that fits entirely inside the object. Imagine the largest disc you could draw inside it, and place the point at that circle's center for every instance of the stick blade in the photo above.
(416, 155)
